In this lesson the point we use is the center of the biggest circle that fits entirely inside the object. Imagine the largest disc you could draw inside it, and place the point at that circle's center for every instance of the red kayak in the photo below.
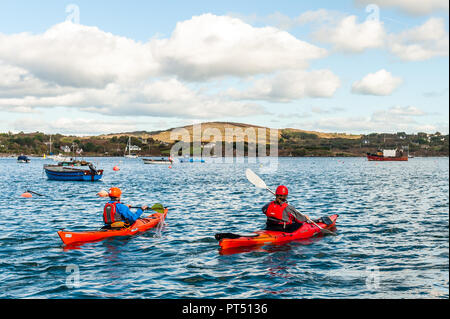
(264, 237)
(141, 225)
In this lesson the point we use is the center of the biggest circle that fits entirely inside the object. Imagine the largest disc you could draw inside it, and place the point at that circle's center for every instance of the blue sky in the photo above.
(92, 67)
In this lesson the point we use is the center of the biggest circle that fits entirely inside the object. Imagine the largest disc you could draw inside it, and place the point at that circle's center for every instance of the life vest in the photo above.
(274, 213)
(110, 214)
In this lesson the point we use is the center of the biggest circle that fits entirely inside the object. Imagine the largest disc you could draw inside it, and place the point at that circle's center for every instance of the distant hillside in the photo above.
(165, 136)
(325, 135)
(291, 142)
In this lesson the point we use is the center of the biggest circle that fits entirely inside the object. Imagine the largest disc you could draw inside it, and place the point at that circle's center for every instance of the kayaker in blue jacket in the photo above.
(116, 214)
(280, 215)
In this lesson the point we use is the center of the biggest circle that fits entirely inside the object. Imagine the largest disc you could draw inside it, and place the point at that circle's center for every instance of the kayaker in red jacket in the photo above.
(116, 214)
(280, 215)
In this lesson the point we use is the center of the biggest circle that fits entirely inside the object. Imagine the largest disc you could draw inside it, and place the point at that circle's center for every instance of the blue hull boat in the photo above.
(23, 159)
(63, 173)
(191, 160)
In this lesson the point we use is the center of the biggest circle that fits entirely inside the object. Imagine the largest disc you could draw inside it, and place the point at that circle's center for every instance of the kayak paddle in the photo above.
(159, 208)
(34, 193)
(258, 182)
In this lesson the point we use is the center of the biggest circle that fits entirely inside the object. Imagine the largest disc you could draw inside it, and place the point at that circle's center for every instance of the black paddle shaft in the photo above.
(34, 193)
(136, 207)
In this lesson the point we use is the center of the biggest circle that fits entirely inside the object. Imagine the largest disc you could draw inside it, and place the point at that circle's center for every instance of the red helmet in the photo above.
(114, 192)
(281, 190)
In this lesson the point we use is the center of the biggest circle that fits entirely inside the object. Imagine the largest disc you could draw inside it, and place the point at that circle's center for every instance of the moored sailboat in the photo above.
(128, 147)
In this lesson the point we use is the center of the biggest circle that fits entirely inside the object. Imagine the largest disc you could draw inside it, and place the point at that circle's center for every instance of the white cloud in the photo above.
(291, 85)
(81, 126)
(17, 82)
(418, 43)
(85, 68)
(379, 83)
(210, 46)
(169, 98)
(79, 56)
(405, 111)
(394, 119)
(415, 7)
(421, 43)
(203, 47)
(348, 35)
(396, 116)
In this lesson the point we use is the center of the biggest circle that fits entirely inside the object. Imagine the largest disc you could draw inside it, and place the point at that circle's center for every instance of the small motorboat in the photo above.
(157, 161)
(68, 173)
(23, 159)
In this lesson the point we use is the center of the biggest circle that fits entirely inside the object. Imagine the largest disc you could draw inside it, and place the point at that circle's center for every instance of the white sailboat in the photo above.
(60, 158)
(56, 158)
(129, 155)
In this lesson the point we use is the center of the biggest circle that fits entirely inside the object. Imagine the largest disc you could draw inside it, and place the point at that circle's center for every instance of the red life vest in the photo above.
(275, 213)
(110, 214)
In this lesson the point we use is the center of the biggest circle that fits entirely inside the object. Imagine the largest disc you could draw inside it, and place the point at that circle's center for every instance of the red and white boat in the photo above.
(387, 155)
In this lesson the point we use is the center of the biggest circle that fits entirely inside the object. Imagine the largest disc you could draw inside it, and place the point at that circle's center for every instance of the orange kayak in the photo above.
(265, 237)
(141, 225)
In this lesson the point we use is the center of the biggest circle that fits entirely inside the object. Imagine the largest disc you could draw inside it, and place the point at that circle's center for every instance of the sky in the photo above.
(351, 66)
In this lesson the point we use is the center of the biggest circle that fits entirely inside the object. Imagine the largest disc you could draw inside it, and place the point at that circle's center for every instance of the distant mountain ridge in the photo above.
(165, 135)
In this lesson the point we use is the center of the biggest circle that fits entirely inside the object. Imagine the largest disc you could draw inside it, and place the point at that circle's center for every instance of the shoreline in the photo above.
(145, 156)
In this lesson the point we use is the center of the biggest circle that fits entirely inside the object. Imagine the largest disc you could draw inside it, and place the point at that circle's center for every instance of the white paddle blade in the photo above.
(254, 179)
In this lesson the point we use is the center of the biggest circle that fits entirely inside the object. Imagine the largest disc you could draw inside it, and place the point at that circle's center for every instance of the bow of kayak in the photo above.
(265, 237)
(141, 225)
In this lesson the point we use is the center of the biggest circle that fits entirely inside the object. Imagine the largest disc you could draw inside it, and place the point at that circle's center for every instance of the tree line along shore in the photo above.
(290, 143)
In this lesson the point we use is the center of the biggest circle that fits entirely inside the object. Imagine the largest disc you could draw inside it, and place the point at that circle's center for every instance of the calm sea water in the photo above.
(393, 232)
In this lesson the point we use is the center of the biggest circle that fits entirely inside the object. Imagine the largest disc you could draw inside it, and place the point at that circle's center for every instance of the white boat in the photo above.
(56, 158)
(59, 158)
(157, 161)
(129, 155)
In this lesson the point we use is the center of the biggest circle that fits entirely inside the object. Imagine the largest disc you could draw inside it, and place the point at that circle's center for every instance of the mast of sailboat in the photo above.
(73, 150)
(50, 143)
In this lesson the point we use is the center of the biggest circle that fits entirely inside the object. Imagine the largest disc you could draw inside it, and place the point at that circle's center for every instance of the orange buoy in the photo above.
(170, 166)
(26, 195)
(102, 193)
(116, 168)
